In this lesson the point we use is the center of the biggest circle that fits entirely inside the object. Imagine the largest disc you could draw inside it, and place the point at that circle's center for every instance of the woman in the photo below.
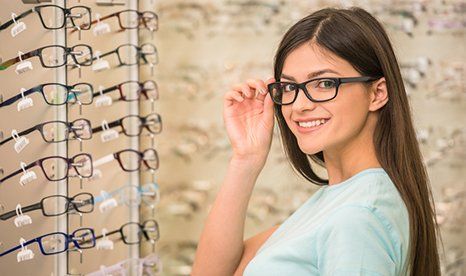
(339, 99)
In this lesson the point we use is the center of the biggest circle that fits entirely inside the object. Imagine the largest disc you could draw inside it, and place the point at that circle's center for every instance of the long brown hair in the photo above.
(356, 36)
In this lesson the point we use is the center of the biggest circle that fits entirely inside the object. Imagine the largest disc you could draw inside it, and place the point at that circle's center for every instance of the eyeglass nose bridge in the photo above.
(306, 93)
(77, 15)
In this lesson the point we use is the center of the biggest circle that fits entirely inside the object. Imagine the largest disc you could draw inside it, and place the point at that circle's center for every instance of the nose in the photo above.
(302, 102)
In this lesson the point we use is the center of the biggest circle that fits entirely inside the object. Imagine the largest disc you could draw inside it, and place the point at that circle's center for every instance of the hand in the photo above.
(248, 118)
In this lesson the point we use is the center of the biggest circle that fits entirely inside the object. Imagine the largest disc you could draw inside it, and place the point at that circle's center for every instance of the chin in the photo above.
(309, 147)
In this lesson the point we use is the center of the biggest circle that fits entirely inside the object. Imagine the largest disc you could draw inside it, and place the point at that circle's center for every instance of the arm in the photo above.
(221, 244)
(248, 118)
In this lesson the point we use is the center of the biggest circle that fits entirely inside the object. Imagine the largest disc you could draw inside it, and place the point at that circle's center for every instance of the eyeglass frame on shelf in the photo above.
(40, 206)
(38, 53)
(121, 63)
(71, 90)
(142, 193)
(69, 125)
(142, 119)
(140, 18)
(70, 238)
(39, 162)
(67, 12)
(141, 229)
(116, 156)
(140, 90)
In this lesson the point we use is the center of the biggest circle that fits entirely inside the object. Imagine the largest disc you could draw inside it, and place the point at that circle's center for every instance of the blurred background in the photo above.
(207, 46)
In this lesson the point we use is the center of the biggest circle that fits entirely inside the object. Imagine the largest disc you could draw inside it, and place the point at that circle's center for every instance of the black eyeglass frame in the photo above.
(140, 54)
(142, 229)
(70, 205)
(38, 53)
(40, 127)
(302, 86)
(67, 12)
(40, 88)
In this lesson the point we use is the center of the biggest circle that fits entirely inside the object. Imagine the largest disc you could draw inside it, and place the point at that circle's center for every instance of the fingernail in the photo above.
(262, 91)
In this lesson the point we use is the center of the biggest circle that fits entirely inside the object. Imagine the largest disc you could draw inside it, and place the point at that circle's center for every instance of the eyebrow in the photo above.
(312, 74)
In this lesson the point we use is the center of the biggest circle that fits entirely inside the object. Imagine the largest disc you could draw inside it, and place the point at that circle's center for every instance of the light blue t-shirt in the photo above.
(359, 226)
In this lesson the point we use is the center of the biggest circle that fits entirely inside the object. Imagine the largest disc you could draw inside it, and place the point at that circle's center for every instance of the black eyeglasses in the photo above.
(57, 205)
(59, 131)
(151, 122)
(54, 56)
(79, 15)
(58, 94)
(132, 90)
(130, 54)
(56, 168)
(58, 242)
(316, 90)
(132, 232)
(130, 160)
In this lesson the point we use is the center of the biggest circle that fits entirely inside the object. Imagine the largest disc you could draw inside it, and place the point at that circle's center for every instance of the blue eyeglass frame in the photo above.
(69, 238)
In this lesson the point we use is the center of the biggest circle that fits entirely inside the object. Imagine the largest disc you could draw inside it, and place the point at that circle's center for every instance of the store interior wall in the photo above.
(205, 47)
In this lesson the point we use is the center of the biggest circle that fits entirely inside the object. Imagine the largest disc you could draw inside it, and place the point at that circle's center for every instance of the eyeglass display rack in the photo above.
(12, 193)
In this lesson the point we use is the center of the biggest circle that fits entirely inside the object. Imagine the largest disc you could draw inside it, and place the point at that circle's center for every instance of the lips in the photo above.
(315, 128)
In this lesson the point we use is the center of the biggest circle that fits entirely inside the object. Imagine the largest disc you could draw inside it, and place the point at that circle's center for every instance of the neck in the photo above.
(355, 156)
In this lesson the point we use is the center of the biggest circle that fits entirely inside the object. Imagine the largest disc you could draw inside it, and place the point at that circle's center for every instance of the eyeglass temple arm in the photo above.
(95, 21)
(106, 90)
(110, 125)
(9, 23)
(103, 160)
(36, 206)
(108, 234)
(15, 60)
(19, 96)
(356, 79)
(25, 132)
(18, 171)
(94, 57)
(18, 247)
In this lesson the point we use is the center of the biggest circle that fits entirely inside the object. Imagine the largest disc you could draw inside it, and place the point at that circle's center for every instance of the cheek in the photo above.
(286, 112)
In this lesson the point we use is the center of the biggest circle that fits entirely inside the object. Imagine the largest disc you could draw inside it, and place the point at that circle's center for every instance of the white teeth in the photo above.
(312, 123)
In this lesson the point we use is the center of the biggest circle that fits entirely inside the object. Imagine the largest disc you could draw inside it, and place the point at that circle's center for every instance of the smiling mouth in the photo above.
(306, 127)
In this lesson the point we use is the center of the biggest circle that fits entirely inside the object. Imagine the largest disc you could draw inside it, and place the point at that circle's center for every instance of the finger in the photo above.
(268, 106)
(247, 91)
(232, 96)
(244, 89)
(257, 85)
(260, 88)
(270, 80)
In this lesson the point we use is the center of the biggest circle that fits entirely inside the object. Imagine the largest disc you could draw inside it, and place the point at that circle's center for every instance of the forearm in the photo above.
(221, 244)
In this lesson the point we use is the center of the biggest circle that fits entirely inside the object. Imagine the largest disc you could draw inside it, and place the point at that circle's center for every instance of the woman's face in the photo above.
(344, 116)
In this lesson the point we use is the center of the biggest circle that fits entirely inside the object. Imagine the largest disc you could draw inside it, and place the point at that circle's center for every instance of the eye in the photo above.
(289, 87)
(326, 84)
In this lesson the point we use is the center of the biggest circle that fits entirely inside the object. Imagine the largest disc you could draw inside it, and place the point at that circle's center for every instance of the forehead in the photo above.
(309, 58)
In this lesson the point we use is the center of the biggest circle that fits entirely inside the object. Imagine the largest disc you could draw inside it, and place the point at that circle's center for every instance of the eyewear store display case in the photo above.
(73, 174)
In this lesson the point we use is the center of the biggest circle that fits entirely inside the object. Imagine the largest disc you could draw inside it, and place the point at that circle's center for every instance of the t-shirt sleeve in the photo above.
(355, 241)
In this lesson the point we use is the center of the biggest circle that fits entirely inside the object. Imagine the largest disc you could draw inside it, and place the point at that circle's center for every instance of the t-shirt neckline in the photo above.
(352, 178)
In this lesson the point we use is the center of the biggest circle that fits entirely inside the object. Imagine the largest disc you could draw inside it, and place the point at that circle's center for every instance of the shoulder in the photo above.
(356, 238)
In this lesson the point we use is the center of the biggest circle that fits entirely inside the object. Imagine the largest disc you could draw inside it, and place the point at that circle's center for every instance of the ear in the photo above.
(379, 94)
